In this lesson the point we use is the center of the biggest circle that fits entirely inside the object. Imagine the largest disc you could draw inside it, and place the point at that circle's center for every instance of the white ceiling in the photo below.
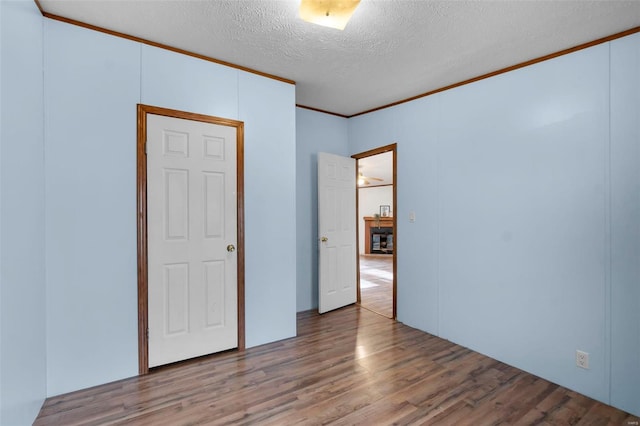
(390, 50)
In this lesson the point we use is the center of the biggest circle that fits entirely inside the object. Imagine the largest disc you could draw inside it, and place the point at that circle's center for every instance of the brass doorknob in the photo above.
(324, 239)
(231, 248)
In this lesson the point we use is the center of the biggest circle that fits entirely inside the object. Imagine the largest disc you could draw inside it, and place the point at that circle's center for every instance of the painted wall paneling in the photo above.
(22, 200)
(625, 223)
(168, 80)
(414, 126)
(523, 235)
(527, 233)
(93, 83)
(267, 107)
(92, 86)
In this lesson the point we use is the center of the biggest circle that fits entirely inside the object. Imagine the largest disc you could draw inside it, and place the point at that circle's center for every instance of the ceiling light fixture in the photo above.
(328, 13)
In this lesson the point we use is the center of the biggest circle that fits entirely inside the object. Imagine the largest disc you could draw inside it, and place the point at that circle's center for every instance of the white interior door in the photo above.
(192, 231)
(336, 231)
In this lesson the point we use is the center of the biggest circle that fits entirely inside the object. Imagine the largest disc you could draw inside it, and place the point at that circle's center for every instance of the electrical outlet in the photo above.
(582, 359)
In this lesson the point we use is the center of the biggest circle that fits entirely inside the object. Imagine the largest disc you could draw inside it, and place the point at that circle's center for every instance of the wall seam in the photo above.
(1, 281)
(140, 62)
(608, 241)
(44, 215)
(438, 179)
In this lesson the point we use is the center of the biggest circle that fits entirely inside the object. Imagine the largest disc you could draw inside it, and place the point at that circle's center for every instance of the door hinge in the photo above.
(147, 332)
(145, 152)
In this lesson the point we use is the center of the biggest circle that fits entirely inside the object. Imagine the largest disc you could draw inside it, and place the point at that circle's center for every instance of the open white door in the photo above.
(192, 232)
(336, 231)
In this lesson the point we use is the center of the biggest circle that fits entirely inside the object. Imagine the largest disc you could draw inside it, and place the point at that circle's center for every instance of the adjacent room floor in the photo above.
(346, 367)
(376, 283)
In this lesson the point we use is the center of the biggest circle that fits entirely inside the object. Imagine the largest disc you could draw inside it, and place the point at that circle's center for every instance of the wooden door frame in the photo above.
(143, 286)
(393, 148)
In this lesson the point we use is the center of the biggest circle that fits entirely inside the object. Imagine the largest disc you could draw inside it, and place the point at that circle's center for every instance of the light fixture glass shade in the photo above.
(328, 13)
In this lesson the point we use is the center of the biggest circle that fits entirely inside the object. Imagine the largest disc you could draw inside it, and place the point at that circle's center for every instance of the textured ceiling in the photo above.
(390, 50)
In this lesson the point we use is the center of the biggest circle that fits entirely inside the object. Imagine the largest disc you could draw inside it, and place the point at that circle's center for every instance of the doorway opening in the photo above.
(376, 230)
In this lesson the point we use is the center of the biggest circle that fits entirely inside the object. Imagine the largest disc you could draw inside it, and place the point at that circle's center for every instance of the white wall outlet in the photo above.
(582, 359)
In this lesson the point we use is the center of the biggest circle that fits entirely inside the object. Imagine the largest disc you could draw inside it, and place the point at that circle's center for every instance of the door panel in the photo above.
(337, 231)
(176, 282)
(191, 219)
(176, 184)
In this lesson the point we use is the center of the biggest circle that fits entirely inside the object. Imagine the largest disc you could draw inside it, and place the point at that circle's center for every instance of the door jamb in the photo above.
(391, 147)
(143, 300)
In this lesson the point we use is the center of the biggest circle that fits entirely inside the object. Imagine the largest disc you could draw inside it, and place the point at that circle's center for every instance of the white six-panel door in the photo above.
(336, 231)
(192, 232)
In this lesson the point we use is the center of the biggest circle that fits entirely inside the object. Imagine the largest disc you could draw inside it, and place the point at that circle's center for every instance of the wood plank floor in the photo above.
(346, 367)
(376, 283)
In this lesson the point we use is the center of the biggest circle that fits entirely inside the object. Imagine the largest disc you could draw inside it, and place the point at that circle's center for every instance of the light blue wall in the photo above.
(92, 85)
(522, 206)
(527, 233)
(168, 80)
(625, 223)
(417, 297)
(267, 107)
(22, 279)
(561, 236)
(315, 132)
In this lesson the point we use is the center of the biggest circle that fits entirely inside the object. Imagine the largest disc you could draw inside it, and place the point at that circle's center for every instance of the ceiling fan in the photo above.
(365, 180)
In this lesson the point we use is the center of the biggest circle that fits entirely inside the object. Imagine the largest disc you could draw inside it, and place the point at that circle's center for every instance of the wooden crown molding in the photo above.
(159, 45)
(37, 2)
(322, 111)
(274, 77)
(507, 69)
